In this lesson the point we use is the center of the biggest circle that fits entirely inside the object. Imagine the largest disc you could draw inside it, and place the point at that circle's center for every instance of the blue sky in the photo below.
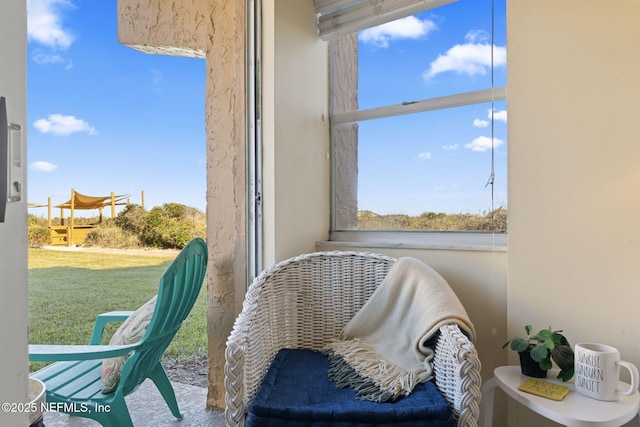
(104, 117)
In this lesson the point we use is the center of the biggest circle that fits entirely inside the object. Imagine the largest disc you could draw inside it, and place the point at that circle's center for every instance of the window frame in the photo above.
(430, 104)
(345, 231)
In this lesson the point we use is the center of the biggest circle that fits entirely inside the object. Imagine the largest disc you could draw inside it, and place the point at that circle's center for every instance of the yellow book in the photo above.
(544, 389)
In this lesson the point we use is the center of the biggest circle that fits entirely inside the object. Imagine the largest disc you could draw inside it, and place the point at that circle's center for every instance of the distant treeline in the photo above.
(495, 220)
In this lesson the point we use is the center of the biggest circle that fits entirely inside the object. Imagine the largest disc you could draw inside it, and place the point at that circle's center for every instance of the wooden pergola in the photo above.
(71, 233)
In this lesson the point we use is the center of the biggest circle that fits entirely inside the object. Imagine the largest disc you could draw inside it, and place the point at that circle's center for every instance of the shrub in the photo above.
(36, 221)
(173, 225)
(38, 236)
(133, 219)
(81, 220)
(110, 235)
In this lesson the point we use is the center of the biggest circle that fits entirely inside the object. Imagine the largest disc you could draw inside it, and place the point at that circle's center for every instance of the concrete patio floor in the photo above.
(147, 408)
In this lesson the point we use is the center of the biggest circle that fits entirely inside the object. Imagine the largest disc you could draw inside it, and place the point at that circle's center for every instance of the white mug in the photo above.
(597, 372)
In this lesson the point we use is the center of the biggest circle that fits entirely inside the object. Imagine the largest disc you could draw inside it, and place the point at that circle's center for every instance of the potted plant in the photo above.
(537, 351)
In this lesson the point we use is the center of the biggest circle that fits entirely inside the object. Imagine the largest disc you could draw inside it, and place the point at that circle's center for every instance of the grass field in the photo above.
(67, 289)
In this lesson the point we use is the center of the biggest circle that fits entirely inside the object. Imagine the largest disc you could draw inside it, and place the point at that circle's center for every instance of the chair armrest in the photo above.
(457, 374)
(234, 384)
(102, 320)
(55, 353)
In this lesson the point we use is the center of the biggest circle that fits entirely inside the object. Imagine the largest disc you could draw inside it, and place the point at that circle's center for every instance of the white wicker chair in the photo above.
(304, 302)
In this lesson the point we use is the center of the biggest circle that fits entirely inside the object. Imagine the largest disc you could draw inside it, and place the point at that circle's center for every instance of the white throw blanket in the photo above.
(383, 351)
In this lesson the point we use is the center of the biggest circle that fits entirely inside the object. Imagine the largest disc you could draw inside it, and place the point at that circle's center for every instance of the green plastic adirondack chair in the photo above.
(74, 380)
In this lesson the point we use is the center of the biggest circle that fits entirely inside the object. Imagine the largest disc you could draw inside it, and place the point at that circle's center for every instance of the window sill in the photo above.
(430, 240)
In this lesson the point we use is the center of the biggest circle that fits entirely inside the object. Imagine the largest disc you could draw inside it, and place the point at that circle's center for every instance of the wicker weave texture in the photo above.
(304, 302)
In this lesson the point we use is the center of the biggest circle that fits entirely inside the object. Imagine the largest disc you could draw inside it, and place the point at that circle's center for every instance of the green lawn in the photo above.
(67, 289)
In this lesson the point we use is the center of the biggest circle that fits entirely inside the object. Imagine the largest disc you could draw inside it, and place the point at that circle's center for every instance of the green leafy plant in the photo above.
(545, 346)
(172, 225)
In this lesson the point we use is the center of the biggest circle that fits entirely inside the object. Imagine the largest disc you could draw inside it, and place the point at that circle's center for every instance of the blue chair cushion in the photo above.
(296, 392)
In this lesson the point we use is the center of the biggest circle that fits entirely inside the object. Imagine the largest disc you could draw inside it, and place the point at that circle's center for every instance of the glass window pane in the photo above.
(432, 162)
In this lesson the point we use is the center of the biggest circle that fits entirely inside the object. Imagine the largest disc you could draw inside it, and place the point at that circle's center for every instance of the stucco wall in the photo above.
(343, 83)
(574, 172)
(13, 235)
(178, 28)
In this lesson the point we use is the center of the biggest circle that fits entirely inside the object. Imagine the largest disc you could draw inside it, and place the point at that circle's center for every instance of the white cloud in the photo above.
(483, 143)
(424, 156)
(42, 167)
(45, 23)
(471, 58)
(58, 124)
(42, 58)
(475, 36)
(450, 147)
(405, 28)
(498, 115)
(481, 123)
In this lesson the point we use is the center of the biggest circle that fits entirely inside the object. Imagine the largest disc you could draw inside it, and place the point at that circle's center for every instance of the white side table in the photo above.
(574, 410)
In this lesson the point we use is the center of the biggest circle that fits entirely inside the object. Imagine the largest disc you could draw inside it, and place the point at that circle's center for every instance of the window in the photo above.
(418, 121)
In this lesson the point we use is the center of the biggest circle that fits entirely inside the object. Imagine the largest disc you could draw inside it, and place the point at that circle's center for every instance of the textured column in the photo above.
(344, 91)
(226, 192)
